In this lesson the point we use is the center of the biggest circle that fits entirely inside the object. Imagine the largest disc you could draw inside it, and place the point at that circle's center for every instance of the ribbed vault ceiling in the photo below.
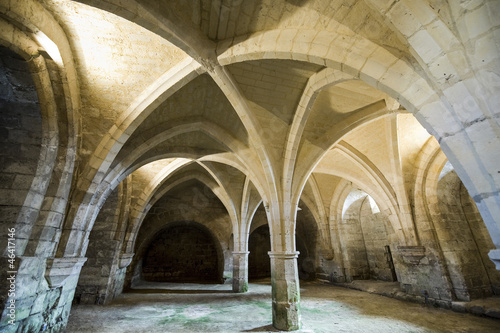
(274, 118)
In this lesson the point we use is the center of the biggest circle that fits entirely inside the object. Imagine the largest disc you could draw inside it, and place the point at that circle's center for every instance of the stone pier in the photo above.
(286, 290)
(240, 271)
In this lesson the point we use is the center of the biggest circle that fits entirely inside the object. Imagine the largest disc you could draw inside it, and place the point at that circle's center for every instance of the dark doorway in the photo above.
(305, 262)
(182, 253)
(259, 244)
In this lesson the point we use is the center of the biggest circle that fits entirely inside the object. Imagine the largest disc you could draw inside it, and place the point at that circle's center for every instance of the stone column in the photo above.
(285, 290)
(240, 271)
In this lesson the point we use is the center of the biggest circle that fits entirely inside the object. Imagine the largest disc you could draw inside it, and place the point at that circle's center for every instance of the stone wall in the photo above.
(353, 244)
(183, 253)
(364, 238)
(20, 141)
(481, 237)
(97, 278)
(376, 237)
(450, 263)
(422, 276)
(40, 306)
(458, 242)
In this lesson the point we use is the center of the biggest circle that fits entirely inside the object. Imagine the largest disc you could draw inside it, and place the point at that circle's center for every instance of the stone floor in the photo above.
(156, 307)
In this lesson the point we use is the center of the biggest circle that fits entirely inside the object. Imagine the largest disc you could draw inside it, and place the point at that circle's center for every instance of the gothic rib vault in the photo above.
(356, 128)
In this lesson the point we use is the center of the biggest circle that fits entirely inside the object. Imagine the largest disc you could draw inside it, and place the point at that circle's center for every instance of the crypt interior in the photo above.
(217, 142)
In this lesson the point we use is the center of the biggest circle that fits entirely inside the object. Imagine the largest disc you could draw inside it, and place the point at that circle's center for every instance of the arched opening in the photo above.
(97, 283)
(183, 252)
(365, 240)
(259, 244)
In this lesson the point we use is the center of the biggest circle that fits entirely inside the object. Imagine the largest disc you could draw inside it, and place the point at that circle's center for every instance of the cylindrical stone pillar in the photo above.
(240, 271)
(285, 290)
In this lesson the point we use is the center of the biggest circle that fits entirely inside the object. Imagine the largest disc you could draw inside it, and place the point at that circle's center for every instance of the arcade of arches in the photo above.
(210, 141)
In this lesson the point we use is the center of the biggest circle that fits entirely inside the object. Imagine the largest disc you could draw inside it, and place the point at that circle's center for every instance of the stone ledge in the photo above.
(283, 255)
(485, 307)
(412, 254)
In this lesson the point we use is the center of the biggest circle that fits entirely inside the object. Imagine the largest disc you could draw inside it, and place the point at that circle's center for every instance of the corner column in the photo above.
(285, 290)
(240, 271)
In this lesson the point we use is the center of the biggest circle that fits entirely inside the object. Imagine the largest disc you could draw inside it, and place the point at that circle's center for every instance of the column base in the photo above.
(286, 316)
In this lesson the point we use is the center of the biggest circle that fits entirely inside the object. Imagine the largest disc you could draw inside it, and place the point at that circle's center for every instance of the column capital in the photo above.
(284, 255)
(241, 252)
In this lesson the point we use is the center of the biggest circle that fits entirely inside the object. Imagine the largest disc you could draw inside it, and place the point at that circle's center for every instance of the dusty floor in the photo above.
(214, 308)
